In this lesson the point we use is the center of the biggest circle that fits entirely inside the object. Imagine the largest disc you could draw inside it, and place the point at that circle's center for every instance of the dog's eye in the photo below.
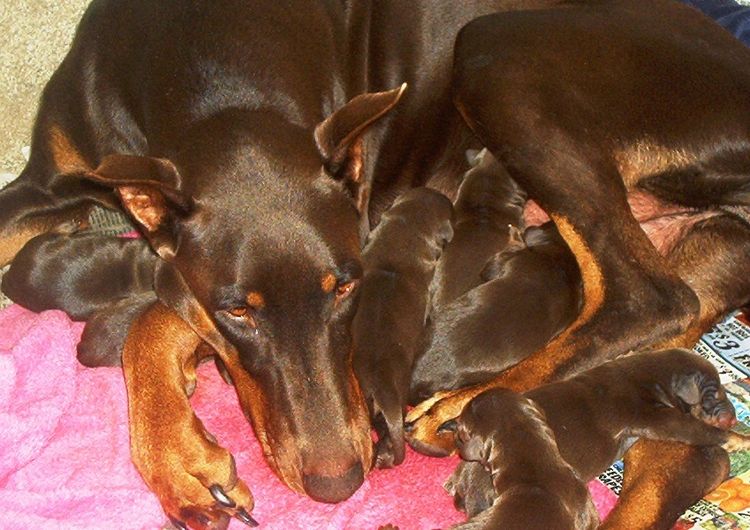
(344, 289)
(238, 311)
(242, 313)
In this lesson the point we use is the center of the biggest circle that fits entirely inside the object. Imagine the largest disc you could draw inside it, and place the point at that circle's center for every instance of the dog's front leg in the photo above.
(194, 478)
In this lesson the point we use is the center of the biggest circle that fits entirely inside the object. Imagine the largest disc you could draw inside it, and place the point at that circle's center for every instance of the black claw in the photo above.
(178, 524)
(221, 497)
(245, 517)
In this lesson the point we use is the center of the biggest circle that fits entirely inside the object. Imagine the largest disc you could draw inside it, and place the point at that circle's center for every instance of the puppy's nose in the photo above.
(323, 488)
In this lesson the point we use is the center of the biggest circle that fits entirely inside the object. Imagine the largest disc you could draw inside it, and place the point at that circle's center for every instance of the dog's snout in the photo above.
(324, 488)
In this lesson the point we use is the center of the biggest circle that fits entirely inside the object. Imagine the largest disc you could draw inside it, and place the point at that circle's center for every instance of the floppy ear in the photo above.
(149, 189)
(339, 138)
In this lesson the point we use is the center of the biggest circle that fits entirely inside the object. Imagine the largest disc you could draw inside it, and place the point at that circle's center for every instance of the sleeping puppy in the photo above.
(399, 261)
(670, 395)
(533, 485)
(488, 203)
(103, 280)
(533, 293)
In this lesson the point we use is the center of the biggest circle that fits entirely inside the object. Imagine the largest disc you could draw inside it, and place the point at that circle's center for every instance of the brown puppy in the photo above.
(488, 203)
(103, 280)
(399, 261)
(670, 395)
(533, 293)
(535, 487)
(79, 273)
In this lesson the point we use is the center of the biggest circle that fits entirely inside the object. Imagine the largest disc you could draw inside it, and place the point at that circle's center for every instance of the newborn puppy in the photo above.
(79, 273)
(103, 280)
(534, 486)
(533, 293)
(667, 395)
(399, 261)
(488, 202)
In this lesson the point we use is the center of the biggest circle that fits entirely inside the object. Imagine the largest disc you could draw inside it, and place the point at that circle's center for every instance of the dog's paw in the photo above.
(195, 481)
(387, 412)
(423, 422)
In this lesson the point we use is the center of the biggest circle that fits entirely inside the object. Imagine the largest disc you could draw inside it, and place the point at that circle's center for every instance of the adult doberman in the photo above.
(254, 143)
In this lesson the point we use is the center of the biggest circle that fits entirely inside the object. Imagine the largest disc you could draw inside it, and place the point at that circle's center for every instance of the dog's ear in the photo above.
(339, 138)
(150, 190)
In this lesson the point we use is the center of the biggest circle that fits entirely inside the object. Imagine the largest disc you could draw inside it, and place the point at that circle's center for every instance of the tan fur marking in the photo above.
(11, 245)
(645, 158)
(591, 273)
(255, 299)
(328, 283)
(66, 157)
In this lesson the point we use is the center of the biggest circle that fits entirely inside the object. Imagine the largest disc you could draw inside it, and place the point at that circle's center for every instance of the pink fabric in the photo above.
(64, 457)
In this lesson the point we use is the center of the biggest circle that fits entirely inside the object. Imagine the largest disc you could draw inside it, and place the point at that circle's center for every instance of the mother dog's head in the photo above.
(257, 222)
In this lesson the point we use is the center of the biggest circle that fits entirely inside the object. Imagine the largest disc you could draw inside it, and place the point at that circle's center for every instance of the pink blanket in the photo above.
(64, 457)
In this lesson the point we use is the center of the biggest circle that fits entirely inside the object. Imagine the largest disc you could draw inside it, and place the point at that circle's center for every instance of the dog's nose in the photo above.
(323, 488)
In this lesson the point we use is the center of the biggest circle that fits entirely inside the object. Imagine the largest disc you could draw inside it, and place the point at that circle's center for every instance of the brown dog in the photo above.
(399, 261)
(534, 486)
(592, 418)
(532, 292)
(487, 205)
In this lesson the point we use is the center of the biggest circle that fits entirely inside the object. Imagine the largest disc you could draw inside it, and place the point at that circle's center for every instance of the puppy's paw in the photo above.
(387, 412)
(713, 406)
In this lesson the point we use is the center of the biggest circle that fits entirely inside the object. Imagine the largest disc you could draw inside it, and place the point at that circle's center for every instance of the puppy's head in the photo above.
(482, 418)
(257, 222)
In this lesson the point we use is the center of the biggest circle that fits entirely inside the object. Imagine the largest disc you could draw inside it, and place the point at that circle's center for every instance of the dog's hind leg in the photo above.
(662, 480)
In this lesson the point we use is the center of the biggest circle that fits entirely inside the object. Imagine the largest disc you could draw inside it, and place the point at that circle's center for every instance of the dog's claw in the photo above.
(245, 517)
(179, 525)
(221, 496)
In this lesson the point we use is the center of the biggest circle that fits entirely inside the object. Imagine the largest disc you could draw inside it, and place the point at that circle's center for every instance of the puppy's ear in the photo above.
(150, 190)
(339, 138)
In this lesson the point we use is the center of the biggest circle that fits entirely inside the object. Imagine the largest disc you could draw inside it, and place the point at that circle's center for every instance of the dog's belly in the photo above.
(665, 223)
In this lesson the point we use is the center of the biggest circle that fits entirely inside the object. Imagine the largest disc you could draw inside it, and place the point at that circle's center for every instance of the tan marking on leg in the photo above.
(591, 273)
(169, 445)
(11, 245)
(662, 479)
(27, 229)
(645, 157)
(66, 157)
